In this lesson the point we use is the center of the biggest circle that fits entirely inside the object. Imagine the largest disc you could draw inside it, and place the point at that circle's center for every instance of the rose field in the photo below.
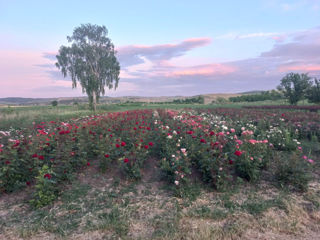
(192, 173)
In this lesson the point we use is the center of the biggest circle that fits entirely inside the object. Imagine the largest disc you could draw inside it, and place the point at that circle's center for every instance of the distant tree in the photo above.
(313, 94)
(264, 95)
(90, 60)
(294, 86)
(54, 103)
(221, 100)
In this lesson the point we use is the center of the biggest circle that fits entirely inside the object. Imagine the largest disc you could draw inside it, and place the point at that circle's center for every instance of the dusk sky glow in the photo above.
(165, 48)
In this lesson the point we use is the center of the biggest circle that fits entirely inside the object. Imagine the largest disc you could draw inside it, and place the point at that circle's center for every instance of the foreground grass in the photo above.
(107, 206)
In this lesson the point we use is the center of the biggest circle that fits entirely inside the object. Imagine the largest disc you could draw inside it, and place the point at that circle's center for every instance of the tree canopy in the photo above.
(313, 94)
(90, 60)
(294, 86)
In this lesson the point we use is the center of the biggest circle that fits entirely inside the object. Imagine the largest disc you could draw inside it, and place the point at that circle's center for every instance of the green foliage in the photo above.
(46, 188)
(313, 94)
(220, 100)
(292, 172)
(257, 206)
(54, 103)
(294, 86)
(266, 95)
(199, 99)
(254, 158)
(90, 60)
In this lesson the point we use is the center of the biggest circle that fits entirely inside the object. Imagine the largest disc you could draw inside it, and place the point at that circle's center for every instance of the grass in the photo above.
(109, 207)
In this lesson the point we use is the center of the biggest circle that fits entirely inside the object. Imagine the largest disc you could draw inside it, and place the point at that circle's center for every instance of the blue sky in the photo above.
(214, 46)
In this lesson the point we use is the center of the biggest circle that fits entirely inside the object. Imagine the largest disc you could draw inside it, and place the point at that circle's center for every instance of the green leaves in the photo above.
(294, 86)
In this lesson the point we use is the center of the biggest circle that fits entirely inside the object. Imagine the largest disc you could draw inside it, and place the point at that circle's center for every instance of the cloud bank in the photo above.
(151, 70)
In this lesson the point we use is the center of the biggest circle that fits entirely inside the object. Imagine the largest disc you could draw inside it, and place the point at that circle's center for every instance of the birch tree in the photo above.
(90, 61)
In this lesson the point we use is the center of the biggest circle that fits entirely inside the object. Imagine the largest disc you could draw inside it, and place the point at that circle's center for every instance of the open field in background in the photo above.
(107, 100)
(96, 204)
(24, 115)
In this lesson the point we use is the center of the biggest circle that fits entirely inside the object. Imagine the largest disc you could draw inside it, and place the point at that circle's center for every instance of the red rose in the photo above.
(88, 164)
(28, 183)
(202, 140)
(107, 155)
(41, 157)
(126, 160)
(117, 145)
(35, 155)
(150, 144)
(230, 162)
(123, 144)
(238, 153)
(146, 146)
(47, 175)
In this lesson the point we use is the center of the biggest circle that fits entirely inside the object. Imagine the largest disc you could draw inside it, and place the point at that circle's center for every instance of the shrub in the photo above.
(292, 172)
(46, 188)
(54, 103)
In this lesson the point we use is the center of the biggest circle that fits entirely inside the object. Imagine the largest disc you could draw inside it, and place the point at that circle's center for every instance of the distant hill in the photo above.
(18, 101)
(24, 101)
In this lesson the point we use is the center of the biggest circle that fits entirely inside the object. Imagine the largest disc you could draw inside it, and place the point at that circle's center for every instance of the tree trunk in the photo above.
(94, 101)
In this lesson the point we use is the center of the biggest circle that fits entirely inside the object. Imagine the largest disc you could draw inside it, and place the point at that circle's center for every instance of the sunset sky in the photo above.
(165, 48)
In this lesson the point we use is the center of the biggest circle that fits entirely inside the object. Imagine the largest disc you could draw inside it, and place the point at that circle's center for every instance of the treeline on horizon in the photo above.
(262, 96)
(197, 99)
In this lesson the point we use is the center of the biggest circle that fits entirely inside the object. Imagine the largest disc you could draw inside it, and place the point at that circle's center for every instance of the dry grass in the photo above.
(106, 206)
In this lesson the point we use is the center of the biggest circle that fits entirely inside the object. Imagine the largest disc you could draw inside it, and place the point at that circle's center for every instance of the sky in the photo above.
(165, 48)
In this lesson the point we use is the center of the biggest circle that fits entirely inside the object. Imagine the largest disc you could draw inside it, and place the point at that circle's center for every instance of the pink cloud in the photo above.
(279, 38)
(306, 68)
(205, 70)
(22, 73)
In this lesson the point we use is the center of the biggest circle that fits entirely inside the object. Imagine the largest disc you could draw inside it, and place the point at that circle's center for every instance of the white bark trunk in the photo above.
(94, 101)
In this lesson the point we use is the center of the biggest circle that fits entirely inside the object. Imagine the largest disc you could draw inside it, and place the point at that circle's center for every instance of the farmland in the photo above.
(159, 171)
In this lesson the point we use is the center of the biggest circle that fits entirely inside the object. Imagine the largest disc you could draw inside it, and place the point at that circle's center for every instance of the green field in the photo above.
(25, 116)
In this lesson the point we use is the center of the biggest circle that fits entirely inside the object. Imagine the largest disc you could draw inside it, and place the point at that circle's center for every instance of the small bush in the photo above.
(54, 103)
(292, 172)
(46, 188)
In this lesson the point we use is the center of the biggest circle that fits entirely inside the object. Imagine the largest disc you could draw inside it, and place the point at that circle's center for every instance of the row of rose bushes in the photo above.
(50, 153)
(217, 146)
(304, 125)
